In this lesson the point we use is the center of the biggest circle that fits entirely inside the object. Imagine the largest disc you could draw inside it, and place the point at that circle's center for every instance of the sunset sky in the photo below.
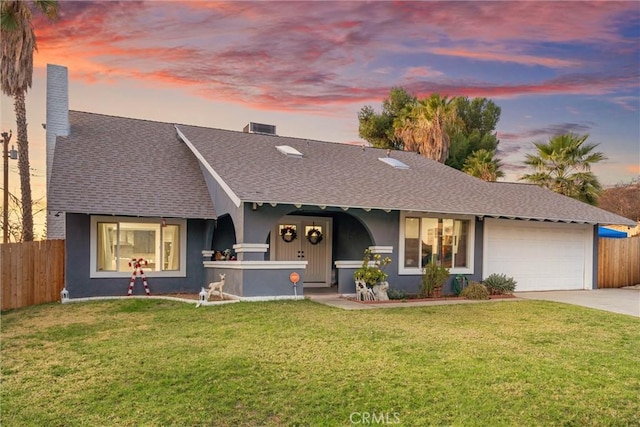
(308, 68)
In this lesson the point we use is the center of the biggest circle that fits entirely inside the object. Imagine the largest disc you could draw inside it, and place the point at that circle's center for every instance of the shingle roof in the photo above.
(346, 175)
(529, 201)
(121, 166)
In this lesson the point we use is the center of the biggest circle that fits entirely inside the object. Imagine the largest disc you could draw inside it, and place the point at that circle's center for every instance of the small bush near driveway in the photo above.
(500, 284)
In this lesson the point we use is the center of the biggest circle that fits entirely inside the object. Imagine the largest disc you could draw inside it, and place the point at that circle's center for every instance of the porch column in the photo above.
(344, 276)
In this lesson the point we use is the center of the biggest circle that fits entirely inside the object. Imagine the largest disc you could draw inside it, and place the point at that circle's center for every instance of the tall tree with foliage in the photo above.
(378, 129)
(483, 164)
(425, 126)
(16, 64)
(479, 118)
(564, 165)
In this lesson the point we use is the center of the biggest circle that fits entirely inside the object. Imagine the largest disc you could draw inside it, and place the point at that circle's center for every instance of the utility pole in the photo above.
(6, 137)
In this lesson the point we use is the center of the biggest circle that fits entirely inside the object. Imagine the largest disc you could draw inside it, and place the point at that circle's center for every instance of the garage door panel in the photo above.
(538, 256)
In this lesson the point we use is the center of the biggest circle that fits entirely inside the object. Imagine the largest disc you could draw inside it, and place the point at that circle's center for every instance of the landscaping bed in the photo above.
(415, 298)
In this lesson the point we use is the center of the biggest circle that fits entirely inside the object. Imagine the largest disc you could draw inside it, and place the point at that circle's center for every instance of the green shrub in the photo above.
(475, 290)
(434, 277)
(500, 284)
(393, 293)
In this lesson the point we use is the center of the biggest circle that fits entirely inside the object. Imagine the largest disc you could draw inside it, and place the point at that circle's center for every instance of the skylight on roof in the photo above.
(393, 162)
(288, 151)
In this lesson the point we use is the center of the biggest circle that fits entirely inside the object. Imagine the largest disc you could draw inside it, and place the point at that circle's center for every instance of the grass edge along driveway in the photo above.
(156, 362)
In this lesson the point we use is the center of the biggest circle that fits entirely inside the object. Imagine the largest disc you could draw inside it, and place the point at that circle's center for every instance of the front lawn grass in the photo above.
(156, 362)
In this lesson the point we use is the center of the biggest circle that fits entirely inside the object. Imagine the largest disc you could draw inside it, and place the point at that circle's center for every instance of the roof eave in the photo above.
(260, 202)
(129, 214)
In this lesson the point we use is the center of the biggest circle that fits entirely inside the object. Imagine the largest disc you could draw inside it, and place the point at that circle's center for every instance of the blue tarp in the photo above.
(612, 234)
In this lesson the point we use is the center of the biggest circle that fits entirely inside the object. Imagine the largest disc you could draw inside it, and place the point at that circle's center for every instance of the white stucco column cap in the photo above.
(251, 247)
(381, 249)
(257, 265)
(348, 264)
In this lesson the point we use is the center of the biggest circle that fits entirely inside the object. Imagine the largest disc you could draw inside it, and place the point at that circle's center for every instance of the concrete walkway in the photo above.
(334, 300)
(622, 300)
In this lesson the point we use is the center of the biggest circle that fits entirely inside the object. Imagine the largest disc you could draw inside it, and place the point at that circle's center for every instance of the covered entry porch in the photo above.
(323, 245)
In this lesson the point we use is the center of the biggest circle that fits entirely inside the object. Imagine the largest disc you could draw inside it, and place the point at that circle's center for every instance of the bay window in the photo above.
(116, 241)
(445, 241)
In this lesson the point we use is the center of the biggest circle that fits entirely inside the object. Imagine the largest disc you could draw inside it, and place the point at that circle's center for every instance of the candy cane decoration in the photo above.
(137, 266)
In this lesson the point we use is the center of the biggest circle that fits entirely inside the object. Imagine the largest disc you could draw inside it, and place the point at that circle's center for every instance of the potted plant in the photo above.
(434, 277)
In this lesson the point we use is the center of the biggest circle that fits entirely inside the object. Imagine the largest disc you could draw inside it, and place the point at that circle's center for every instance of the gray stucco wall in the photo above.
(351, 237)
(478, 253)
(256, 283)
(232, 280)
(223, 205)
(78, 281)
(258, 222)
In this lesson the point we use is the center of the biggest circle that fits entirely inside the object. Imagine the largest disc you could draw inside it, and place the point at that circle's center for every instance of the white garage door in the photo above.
(540, 256)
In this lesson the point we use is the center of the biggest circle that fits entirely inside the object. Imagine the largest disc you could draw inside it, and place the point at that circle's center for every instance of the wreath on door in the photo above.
(314, 236)
(288, 234)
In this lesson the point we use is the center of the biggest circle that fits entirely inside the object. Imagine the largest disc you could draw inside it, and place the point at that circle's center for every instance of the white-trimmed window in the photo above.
(115, 241)
(445, 240)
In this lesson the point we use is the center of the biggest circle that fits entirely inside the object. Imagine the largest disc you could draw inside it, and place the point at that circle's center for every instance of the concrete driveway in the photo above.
(622, 300)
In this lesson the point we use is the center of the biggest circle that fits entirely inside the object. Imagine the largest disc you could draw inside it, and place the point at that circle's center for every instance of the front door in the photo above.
(312, 243)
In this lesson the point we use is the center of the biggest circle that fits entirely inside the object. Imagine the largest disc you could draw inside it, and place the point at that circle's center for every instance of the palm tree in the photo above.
(482, 164)
(564, 164)
(18, 44)
(425, 126)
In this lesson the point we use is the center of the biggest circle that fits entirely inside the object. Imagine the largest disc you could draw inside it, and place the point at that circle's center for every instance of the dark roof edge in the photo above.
(129, 214)
(624, 221)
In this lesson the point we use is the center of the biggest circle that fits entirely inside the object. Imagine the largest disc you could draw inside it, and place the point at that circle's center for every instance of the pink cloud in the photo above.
(492, 21)
(305, 56)
(508, 57)
(413, 73)
(629, 103)
(578, 84)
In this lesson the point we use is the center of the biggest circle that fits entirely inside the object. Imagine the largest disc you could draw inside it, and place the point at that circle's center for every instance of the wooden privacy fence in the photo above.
(32, 273)
(618, 262)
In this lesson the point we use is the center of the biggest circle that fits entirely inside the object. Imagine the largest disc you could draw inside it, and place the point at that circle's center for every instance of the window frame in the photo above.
(471, 238)
(94, 273)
